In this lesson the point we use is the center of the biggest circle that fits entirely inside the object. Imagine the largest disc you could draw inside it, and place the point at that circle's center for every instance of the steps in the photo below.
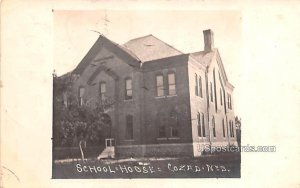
(108, 152)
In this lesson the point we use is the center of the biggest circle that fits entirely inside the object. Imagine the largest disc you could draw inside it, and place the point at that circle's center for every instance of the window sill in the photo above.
(165, 96)
(171, 138)
(174, 138)
(128, 100)
(168, 96)
(161, 138)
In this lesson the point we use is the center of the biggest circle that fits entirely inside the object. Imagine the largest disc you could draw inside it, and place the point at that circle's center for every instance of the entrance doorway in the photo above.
(110, 142)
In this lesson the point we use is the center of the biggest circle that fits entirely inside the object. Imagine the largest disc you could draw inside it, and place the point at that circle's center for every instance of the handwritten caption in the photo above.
(126, 169)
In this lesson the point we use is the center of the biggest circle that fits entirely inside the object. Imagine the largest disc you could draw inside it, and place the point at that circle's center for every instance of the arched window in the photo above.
(223, 126)
(232, 128)
(203, 125)
(215, 90)
(221, 97)
(81, 95)
(200, 87)
(199, 125)
(161, 121)
(129, 127)
(214, 126)
(196, 85)
(211, 93)
(102, 90)
(128, 88)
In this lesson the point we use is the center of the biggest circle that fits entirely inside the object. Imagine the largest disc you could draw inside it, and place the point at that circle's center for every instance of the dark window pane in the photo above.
(174, 132)
(203, 125)
(162, 132)
(129, 127)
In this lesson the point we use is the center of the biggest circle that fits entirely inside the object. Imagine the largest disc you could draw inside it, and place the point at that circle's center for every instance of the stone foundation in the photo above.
(155, 150)
(167, 150)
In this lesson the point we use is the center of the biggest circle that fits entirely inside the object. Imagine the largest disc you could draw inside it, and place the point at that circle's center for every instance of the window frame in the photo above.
(128, 97)
(199, 125)
(159, 86)
(223, 126)
(211, 92)
(129, 135)
(214, 127)
(200, 86)
(101, 93)
(171, 132)
(81, 98)
(174, 84)
(221, 96)
(196, 85)
(203, 125)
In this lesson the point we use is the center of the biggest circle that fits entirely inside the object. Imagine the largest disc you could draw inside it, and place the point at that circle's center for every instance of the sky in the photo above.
(74, 33)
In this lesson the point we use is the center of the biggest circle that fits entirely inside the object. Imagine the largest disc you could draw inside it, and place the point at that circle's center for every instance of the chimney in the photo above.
(208, 40)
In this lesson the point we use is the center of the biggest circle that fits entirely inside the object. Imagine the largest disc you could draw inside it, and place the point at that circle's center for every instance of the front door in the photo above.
(109, 142)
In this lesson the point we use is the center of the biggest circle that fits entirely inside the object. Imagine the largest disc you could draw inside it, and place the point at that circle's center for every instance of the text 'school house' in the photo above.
(166, 103)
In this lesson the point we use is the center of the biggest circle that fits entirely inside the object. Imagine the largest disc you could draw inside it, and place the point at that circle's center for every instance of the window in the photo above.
(161, 122)
(214, 127)
(230, 133)
(199, 125)
(81, 94)
(200, 87)
(162, 132)
(215, 91)
(159, 85)
(128, 88)
(203, 125)
(223, 125)
(129, 127)
(102, 90)
(232, 129)
(221, 97)
(196, 85)
(172, 85)
(229, 101)
(174, 132)
(211, 93)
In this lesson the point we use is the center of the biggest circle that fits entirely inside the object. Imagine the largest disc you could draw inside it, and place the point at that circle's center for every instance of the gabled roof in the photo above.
(114, 47)
(204, 57)
(148, 48)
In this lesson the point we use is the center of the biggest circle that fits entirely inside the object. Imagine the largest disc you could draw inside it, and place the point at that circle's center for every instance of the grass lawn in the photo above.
(221, 165)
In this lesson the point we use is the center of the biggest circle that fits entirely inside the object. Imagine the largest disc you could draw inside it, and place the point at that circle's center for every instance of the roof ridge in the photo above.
(137, 38)
(168, 45)
(122, 47)
(203, 51)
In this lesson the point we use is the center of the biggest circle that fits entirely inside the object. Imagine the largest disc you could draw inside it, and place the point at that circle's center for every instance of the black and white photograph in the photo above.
(144, 109)
(138, 93)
